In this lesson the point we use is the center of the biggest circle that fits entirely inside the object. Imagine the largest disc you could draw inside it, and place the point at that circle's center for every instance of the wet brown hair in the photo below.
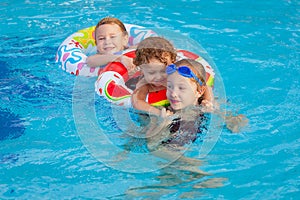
(111, 20)
(154, 48)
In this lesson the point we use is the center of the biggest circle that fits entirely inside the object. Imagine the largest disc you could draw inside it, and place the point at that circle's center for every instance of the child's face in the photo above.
(154, 72)
(110, 39)
(181, 91)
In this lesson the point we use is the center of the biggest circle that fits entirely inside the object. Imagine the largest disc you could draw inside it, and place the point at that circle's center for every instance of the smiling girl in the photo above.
(185, 84)
(185, 91)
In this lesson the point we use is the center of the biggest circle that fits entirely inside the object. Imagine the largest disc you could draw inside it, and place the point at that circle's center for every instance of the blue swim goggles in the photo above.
(183, 71)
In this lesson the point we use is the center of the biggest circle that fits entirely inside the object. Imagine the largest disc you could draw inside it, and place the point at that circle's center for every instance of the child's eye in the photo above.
(101, 38)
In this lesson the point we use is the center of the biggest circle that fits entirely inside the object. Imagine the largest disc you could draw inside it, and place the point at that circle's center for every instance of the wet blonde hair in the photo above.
(111, 20)
(154, 48)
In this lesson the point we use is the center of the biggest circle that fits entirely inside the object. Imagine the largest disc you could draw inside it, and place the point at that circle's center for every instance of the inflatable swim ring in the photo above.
(111, 83)
(72, 53)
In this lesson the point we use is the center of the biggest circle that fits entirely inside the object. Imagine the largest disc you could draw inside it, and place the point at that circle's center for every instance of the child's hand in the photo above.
(208, 106)
(128, 63)
(235, 123)
(165, 113)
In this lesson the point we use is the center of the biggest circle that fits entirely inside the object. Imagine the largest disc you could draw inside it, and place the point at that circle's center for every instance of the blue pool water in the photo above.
(45, 149)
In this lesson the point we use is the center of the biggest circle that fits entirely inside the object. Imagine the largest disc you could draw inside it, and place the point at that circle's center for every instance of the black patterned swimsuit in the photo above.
(185, 132)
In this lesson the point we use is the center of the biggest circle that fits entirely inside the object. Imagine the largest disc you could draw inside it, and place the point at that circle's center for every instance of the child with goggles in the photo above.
(185, 91)
(186, 87)
(185, 83)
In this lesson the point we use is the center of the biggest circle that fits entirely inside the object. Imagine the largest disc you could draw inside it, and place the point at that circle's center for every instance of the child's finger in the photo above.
(169, 113)
(163, 112)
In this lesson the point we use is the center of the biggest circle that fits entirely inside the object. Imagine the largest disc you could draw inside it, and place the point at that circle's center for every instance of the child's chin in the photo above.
(110, 52)
(158, 84)
(176, 107)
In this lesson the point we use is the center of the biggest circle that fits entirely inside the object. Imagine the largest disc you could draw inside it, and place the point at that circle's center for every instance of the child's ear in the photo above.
(200, 91)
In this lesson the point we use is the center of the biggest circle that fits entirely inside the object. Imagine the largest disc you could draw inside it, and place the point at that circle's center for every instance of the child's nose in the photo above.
(173, 93)
(107, 39)
(161, 76)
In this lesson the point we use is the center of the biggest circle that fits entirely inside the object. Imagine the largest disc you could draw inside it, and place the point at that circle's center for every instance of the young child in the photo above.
(185, 88)
(153, 54)
(111, 37)
(185, 91)
(185, 84)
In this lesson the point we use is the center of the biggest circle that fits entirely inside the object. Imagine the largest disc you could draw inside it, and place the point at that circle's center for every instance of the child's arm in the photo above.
(208, 99)
(158, 129)
(98, 60)
(138, 100)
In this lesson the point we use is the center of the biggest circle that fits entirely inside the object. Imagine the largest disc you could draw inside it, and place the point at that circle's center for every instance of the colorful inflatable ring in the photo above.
(111, 83)
(72, 53)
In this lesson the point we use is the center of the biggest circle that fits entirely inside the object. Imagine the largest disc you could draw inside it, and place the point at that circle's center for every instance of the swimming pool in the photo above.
(255, 46)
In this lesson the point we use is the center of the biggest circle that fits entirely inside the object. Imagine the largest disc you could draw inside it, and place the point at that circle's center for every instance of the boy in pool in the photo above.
(153, 54)
(111, 37)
